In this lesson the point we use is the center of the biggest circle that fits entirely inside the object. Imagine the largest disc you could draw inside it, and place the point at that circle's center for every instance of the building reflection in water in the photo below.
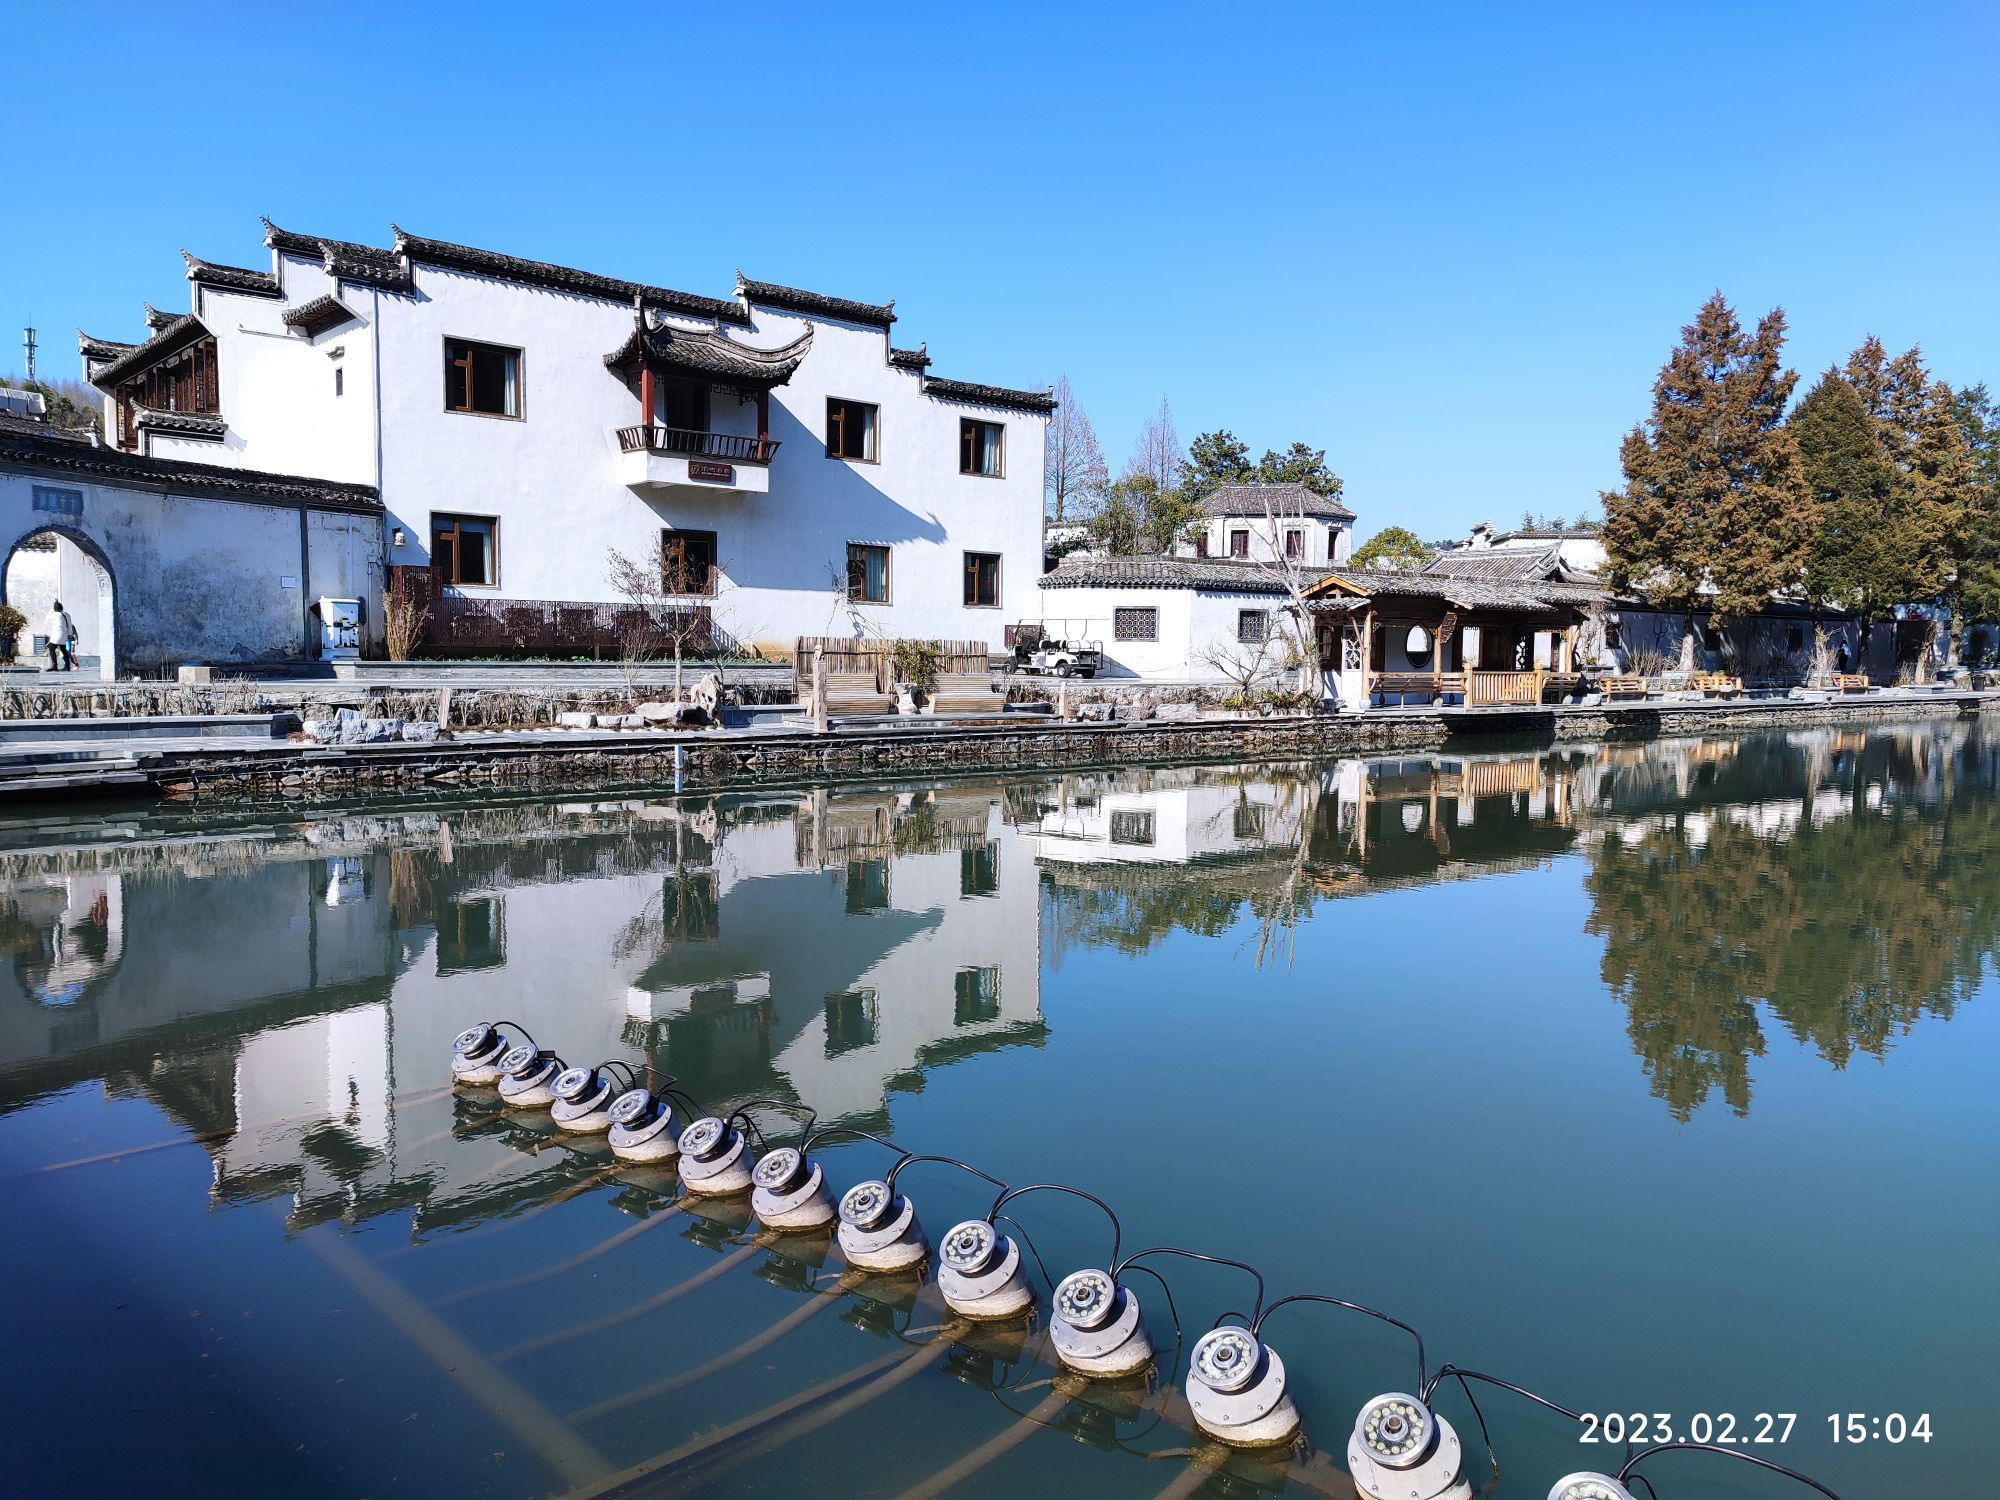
(276, 987)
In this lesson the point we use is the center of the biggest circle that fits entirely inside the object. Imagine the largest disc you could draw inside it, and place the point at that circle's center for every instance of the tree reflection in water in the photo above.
(1853, 906)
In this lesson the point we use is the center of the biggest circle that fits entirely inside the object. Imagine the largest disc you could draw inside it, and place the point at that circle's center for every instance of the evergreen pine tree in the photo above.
(1715, 508)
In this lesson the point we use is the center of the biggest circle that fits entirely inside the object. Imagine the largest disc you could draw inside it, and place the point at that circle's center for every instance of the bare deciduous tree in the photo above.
(1158, 456)
(1073, 470)
(672, 612)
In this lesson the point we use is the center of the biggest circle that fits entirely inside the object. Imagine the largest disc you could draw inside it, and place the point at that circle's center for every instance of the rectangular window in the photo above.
(482, 378)
(472, 935)
(979, 870)
(688, 561)
(1795, 638)
(1613, 637)
(1135, 624)
(1249, 820)
(979, 447)
(867, 885)
(1132, 825)
(867, 573)
(1239, 544)
(982, 580)
(850, 430)
(1252, 625)
(339, 381)
(975, 996)
(466, 550)
(1711, 638)
(1295, 542)
(850, 1021)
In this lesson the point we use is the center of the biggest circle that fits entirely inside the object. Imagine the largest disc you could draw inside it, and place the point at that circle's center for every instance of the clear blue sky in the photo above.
(1451, 246)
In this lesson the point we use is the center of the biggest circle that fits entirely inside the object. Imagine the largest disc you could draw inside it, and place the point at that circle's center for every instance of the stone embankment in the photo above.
(651, 758)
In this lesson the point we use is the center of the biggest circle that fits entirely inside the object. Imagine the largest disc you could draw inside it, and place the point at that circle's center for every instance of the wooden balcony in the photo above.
(728, 447)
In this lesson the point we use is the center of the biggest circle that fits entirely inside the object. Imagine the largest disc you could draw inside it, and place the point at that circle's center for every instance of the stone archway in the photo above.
(75, 571)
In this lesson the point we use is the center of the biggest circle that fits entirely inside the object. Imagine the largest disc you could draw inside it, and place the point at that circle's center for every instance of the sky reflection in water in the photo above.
(1623, 1072)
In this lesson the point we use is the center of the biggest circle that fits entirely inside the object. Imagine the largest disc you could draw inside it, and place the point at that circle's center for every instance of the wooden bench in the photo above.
(1850, 682)
(965, 693)
(1626, 687)
(850, 693)
(1715, 684)
(1433, 685)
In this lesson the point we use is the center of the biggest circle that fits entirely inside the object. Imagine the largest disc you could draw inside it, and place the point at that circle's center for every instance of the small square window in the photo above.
(979, 870)
(867, 573)
(1239, 544)
(1711, 638)
(975, 995)
(1252, 625)
(867, 885)
(472, 935)
(850, 1021)
(1135, 624)
(850, 430)
(982, 580)
(465, 550)
(979, 447)
(482, 378)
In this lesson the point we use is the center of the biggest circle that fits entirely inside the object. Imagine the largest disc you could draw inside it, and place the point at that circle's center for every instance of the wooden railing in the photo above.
(1507, 687)
(651, 438)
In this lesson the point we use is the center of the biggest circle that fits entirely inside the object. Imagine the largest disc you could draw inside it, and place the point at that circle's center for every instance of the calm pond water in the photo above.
(1658, 1079)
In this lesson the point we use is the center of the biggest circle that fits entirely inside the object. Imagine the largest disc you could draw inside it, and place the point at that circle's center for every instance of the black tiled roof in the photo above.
(1215, 574)
(318, 315)
(1282, 500)
(1468, 593)
(563, 279)
(95, 348)
(194, 424)
(231, 278)
(990, 395)
(182, 331)
(13, 424)
(155, 319)
(792, 299)
(345, 259)
(918, 358)
(712, 355)
(1498, 564)
(110, 466)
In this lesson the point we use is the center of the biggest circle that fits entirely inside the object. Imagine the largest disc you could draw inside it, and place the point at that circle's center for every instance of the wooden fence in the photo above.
(460, 625)
(845, 653)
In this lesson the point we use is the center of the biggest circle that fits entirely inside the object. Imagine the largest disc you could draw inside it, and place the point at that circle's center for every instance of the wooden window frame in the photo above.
(845, 402)
(1243, 534)
(1117, 622)
(968, 575)
(458, 518)
(888, 573)
(1295, 543)
(668, 534)
(520, 380)
(965, 451)
(1263, 619)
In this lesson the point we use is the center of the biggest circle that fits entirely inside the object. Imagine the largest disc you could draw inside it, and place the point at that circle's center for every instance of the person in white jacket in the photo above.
(61, 630)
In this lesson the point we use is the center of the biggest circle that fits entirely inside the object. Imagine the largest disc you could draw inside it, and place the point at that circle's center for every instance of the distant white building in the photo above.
(1264, 522)
(520, 418)
(1578, 549)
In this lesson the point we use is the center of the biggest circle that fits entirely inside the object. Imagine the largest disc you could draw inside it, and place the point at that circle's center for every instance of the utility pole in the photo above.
(28, 343)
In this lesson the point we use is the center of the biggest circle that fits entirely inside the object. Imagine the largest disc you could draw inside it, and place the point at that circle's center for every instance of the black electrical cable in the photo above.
(1651, 1493)
(1040, 1265)
(1213, 1260)
(631, 1077)
(742, 1112)
(1748, 1458)
(1492, 1458)
(496, 1025)
(817, 1134)
(1172, 1311)
(1117, 1229)
(1257, 1325)
(1505, 1385)
(950, 1161)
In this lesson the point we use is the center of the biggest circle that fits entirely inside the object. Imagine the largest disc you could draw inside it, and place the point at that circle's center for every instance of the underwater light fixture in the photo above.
(1587, 1486)
(879, 1229)
(1400, 1448)
(1237, 1391)
(583, 1097)
(789, 1191)
(1097, 1328)
(980, 1272)
(642, 1127)
(476, 1053)
(527, 1071)
(714, 1158)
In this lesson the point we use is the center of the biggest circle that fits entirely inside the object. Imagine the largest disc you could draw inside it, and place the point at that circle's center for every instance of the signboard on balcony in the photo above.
(711, 472)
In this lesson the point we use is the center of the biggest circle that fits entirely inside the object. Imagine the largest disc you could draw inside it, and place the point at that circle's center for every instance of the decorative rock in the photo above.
(1147, 707)
(322, 731)
(576, 721)
(1175, 712)
(421, 732)
(621, 721)
(656, 712)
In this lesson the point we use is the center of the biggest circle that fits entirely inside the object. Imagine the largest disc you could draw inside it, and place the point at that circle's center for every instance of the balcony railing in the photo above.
(654, 439)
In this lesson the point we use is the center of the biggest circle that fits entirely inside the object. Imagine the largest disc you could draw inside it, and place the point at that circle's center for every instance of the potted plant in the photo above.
(915, 665)
(12, 623)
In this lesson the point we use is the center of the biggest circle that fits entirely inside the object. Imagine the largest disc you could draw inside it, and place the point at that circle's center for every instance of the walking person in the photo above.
(62, 639)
